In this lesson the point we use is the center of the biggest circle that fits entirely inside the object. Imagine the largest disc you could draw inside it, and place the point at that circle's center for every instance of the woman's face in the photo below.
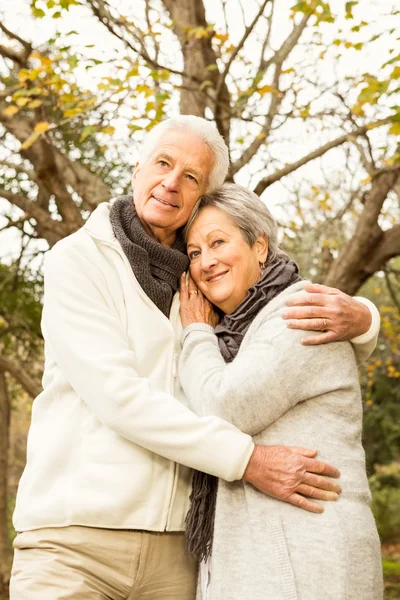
(222, 263)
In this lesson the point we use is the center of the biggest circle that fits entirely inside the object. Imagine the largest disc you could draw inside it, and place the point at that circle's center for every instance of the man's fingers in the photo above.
(305, 299)
(303, 451)
(316, 493)
(305, 504)
(322, 338)
(322, 483)
(318, 288)
(313, 324)
(321, 468)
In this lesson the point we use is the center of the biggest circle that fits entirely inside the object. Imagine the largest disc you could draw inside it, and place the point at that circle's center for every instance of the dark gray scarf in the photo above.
(279, 274)
(156, 267)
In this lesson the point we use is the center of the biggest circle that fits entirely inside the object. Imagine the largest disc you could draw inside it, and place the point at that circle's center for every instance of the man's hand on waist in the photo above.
(293, 475)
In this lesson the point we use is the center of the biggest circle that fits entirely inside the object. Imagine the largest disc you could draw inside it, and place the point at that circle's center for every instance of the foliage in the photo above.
(385, 488)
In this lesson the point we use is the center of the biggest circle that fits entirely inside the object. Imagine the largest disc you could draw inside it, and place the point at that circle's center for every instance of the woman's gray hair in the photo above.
(246, 211)
(206, 132)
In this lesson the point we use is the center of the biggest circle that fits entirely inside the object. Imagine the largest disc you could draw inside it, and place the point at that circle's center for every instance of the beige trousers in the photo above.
(84, 563)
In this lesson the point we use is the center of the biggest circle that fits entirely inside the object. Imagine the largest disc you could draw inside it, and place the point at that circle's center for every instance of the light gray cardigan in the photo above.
(281, 392)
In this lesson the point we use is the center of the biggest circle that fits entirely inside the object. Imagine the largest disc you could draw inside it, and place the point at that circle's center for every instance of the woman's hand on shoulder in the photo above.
(195, 308)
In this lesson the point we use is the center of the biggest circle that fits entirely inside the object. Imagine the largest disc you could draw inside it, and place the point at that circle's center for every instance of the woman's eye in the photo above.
(191, 177)
(193, 254)
(217, 242)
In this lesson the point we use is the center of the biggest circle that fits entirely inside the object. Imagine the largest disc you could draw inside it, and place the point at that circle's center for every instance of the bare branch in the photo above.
(100, 10)
(391, 290)
(48, 228)
(12, 55)
(241, 43)
(19, 169)
(276, 94)
(14, 36)
(19, 374)
(269, 179)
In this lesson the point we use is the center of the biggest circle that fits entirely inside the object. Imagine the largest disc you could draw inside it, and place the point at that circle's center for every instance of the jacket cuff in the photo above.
(196, 327)
(375, 323)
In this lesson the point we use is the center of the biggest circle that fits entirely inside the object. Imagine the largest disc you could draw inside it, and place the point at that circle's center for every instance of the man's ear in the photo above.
(135, 173)
(261, 244)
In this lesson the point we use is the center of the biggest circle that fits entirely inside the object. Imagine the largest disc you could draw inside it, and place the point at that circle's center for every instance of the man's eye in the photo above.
(162, 163)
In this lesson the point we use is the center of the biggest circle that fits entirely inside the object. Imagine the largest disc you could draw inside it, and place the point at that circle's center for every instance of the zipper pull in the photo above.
(175, 365)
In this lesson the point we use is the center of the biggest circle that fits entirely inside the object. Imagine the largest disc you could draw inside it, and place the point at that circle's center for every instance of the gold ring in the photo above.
(193, 292)
(324, 327)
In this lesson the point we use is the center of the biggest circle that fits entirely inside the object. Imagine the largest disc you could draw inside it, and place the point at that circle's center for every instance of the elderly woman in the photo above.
(252, 370)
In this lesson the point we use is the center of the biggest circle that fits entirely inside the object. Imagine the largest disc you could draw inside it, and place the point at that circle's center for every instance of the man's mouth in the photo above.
(164, 202)
(216, 277)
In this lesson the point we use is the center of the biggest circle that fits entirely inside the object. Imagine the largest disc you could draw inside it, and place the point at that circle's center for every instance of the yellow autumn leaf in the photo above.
(42, 126)
(265, 89)
(35, 104)
(395, 128)
(30, 140)
(10, 111)
(109, 130)
(22, 101)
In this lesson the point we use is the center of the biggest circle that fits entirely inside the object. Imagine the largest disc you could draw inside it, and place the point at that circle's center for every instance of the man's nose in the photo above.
(172, 181)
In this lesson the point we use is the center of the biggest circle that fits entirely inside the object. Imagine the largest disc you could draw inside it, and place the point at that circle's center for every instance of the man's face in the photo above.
(168, 185)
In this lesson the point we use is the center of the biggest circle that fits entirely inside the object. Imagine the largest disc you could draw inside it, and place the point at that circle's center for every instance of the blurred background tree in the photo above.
(306, 95)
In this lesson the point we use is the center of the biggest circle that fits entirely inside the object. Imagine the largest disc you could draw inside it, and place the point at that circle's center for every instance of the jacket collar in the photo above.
(99, 226)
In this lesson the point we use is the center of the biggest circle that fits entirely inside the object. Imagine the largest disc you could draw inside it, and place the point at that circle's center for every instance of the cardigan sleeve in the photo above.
(92, 351)
(269, 375)
(365, 344)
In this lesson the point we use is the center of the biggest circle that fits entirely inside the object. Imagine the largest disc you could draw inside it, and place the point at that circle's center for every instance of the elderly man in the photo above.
(102, 502)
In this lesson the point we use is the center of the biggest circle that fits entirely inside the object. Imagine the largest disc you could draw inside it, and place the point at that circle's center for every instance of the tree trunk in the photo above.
(5, 551)
(369, 248)
(200, 64)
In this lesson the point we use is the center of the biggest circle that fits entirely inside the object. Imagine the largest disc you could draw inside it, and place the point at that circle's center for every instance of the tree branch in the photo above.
(19, 374)
(14, 36)
(276, 94)
(240, 45)
(369, 247)
(48, 228)
(19, 169)
(100, 10)
(270, 179)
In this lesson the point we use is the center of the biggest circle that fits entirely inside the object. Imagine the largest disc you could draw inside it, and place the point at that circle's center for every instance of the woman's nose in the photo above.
(208, 260)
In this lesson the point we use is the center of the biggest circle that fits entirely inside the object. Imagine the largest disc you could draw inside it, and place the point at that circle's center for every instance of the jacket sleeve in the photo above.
(269, 375)
(92, 351)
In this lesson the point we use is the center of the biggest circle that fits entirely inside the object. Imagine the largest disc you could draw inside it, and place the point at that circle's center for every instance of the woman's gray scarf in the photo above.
(279, 274)
(156, 267)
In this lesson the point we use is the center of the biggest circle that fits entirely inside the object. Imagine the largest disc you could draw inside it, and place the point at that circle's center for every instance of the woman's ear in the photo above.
(261, 245)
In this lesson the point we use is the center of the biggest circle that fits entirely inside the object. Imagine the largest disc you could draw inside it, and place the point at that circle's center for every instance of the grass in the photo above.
(391, 571)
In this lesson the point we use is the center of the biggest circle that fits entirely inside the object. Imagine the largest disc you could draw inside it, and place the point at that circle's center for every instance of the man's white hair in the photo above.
(206, 132)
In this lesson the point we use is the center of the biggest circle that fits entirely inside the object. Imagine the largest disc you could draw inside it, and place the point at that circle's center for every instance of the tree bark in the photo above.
(369, 248)
(18, 372)
(5, 550)
(200, 65)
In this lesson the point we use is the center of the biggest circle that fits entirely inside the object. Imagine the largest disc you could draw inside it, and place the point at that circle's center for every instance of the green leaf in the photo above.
(349, 9)
(86, 132)
(395, 129)
(38, 12)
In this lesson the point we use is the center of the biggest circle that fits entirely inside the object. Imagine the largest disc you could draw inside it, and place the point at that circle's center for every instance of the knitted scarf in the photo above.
(156, 267)
(279, 274)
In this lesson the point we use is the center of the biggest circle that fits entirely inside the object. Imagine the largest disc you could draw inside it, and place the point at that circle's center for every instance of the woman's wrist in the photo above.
(196, 327)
